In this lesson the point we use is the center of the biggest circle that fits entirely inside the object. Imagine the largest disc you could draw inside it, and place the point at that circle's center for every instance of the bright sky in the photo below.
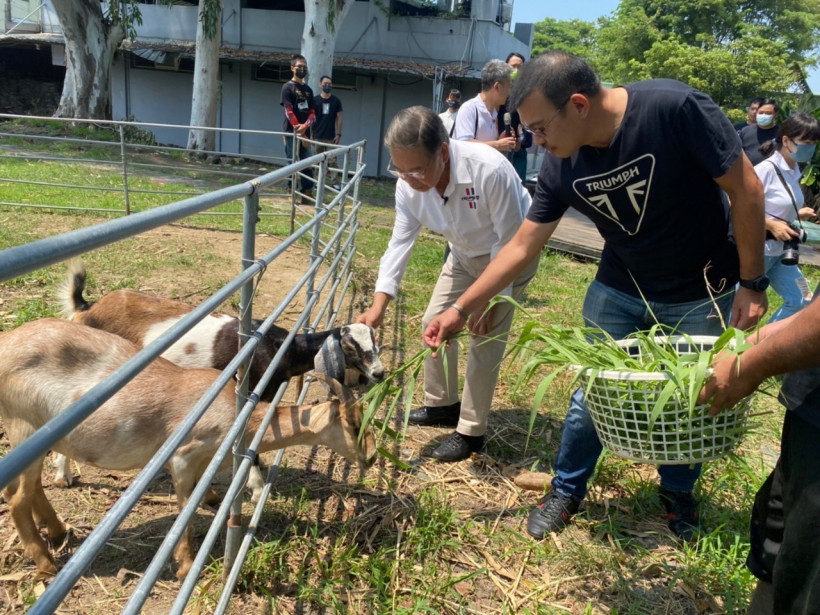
(531, 11)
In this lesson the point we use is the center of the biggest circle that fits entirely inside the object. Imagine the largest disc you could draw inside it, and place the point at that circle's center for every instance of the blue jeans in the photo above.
(304, 152)
(783, 279)
(619, 315)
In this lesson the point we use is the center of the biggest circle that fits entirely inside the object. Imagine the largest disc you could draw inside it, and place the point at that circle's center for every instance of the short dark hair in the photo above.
(515, 54)
(417, 126)
(770, 101)
(557, 75)
(323, 77)
(296, 57)
(796, 126)
(756, 99)
(454, 94)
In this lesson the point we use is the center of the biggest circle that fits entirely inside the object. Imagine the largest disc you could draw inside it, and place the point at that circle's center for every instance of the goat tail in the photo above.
(71, 291)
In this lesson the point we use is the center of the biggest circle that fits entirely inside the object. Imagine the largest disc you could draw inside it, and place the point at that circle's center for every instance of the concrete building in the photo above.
(389, 55)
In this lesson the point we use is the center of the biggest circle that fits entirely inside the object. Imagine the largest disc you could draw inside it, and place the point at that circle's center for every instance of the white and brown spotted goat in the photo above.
(48, 364)
(142, 318)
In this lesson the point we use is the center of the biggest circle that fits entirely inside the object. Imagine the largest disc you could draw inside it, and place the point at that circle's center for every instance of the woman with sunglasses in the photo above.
(470, 194)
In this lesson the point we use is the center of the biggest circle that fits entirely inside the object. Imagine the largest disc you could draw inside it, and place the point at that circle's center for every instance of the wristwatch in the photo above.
(759, 284)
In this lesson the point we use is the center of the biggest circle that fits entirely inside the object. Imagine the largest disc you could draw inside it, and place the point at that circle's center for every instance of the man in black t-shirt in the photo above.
(646, 163)
(297, 99)
(328, 127)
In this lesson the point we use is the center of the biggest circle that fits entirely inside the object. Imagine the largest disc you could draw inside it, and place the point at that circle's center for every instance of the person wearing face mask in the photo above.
(518, 156)
(477, 119)
(328, 126)
(297, 100)
(470, 194)
(448, 117)
(780, 174)
(765, 129)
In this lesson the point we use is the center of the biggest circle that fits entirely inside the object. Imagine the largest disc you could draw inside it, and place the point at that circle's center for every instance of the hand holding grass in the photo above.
(443, 326)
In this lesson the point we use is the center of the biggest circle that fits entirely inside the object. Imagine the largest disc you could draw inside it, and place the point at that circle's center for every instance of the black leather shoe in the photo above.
(436, 416)
(457, 447)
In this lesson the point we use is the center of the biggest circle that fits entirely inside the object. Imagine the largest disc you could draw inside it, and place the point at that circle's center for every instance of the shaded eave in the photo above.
(341, 61)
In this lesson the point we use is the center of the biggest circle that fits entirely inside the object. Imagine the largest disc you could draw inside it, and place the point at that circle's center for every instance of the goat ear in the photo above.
(345, 330)
(330, 359)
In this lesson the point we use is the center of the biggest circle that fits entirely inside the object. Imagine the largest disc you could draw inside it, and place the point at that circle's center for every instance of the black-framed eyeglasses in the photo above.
(392, 170)
(541, 131)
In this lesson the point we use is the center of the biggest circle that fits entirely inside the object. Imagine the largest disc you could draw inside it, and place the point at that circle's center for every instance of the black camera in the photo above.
(791, 251)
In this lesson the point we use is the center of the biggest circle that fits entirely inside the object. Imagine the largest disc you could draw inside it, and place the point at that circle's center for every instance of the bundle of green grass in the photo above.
(641, 391)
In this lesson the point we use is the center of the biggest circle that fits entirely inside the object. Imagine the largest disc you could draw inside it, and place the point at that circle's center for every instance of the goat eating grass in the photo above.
(213, 342)
(46, 365)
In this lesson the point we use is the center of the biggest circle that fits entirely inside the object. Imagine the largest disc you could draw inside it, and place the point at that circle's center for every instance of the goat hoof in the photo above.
(45, 568)
(211, 498)
(183, 571)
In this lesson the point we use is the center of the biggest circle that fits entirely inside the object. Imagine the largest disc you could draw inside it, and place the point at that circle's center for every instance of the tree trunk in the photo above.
(322, 21)
(90, 44)
(206, 75)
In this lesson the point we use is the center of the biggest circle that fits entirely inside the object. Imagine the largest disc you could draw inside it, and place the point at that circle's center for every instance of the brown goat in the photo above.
(48, 364)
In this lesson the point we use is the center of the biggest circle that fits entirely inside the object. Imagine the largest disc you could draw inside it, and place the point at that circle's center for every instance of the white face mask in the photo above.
(764, 120)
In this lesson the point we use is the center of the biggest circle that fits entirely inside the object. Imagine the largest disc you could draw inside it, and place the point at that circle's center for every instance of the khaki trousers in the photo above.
(484, 358)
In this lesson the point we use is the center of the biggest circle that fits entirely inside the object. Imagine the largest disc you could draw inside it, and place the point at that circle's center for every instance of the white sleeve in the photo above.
(466, 122)
(393, 263)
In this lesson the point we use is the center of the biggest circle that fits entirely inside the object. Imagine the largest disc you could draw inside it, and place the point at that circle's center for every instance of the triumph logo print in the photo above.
(471, 197)
(620, 194)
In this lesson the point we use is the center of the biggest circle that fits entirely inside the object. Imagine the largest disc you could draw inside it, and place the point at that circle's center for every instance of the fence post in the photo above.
(124, 173)
(233, 536)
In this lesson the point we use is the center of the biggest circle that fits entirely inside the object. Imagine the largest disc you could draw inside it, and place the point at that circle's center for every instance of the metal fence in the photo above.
(128, 151)
(332, 232)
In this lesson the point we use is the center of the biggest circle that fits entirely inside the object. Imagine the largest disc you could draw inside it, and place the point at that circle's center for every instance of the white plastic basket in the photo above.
(620, 404)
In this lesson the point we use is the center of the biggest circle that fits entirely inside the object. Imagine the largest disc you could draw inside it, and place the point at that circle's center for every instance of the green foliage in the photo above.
(574, 36)
(731, 50)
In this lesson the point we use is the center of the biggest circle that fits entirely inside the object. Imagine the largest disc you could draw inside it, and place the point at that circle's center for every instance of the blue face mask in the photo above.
(804, 152)
(764, 120)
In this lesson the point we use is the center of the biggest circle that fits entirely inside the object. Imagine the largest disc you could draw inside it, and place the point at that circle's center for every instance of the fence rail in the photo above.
(130, 153)
(331, 231)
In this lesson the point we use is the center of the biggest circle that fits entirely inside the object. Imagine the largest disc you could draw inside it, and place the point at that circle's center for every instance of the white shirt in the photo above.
(448, 118)
(466, 127)
(483, 205)
(776, 199)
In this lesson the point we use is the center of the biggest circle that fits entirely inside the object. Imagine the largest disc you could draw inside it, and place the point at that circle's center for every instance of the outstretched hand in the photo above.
(442, 327)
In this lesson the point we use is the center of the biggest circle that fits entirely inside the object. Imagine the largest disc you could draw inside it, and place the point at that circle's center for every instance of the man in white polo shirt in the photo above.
(477, 119)
(470, 194)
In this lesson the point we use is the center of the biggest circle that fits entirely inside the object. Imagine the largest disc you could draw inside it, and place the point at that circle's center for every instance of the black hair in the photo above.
(454, 94)
(796, 126)
(323, 77)
(296, 57)
(417, 126)
(557, 75)
(756, 100)
(770, 101)
(515, 54)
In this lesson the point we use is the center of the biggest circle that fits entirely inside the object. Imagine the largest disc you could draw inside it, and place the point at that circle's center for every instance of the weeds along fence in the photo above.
(131, 172)
(331, 231)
